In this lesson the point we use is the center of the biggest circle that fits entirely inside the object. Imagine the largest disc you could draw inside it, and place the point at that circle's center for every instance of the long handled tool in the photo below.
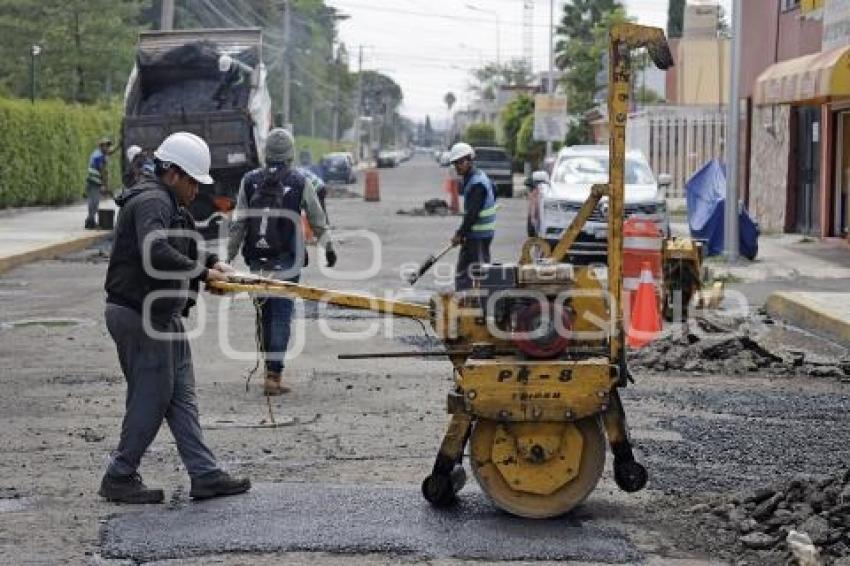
(428, 264)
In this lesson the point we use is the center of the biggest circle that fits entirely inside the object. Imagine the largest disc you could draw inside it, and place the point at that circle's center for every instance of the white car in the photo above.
(576, 170)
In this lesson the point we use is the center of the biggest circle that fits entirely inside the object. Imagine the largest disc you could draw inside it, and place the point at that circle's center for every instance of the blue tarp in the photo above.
(706, 196)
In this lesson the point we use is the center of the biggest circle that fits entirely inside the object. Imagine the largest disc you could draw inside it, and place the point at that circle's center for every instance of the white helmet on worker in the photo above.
(132, 152)
(225, 62)
(189, 152)
(459, 151)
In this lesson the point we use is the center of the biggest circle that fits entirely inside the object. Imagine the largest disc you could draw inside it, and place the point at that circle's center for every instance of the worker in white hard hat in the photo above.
(138, 161)
(479, 214)
(155, 270)
(235, 77)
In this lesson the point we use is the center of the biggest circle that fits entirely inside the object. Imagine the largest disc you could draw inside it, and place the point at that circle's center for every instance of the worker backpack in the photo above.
(275, 203)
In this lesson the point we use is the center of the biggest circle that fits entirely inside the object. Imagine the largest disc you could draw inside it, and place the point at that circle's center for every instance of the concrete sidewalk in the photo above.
(800, 280)
(35, 234)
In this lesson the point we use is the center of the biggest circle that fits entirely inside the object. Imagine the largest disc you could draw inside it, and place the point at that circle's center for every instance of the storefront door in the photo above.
(807, 198)
(842, 175)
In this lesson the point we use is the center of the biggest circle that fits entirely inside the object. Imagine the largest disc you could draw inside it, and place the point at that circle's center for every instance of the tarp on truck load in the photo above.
(181, 80)
(706, 197)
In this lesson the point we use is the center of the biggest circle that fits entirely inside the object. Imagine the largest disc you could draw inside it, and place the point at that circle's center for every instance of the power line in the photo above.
(423, 14)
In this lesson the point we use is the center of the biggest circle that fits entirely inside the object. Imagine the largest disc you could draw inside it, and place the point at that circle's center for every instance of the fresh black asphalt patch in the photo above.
(357, 520)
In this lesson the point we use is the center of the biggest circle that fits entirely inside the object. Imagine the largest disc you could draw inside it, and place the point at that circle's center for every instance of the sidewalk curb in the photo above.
(796, 308)
(51, 251)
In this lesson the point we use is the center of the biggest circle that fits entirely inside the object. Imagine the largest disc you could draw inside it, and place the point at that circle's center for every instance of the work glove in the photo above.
(330, 256)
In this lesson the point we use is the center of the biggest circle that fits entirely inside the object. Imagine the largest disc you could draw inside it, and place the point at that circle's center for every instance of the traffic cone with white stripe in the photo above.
(645, 325)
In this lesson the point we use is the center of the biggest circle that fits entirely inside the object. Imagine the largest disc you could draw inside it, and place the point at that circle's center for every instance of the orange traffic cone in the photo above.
(645, 322)
(372, 192)
(309, 237)
(454, 200)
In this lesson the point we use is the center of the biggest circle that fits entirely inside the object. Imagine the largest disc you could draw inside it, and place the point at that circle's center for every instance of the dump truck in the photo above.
(174, 86)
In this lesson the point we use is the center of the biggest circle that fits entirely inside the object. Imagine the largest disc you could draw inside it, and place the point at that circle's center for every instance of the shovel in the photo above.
(428, 264)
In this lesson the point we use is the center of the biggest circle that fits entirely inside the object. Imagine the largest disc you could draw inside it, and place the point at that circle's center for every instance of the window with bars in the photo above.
(788, 5)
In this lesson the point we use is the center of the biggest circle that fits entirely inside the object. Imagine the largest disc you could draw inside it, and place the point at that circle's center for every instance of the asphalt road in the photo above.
(337, 481)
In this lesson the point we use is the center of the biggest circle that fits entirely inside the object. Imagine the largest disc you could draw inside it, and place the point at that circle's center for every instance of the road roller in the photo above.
(537, 347)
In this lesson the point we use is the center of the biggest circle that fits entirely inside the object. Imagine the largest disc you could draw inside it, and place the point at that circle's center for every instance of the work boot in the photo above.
(90, 225)
(128, 489)
(272, 386)
(216, 484)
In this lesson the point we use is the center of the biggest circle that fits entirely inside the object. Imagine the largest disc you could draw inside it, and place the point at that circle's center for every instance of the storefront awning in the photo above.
(805, 79)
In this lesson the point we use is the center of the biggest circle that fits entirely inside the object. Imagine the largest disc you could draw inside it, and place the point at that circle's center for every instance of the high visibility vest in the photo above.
(94, 177)
(485, 225)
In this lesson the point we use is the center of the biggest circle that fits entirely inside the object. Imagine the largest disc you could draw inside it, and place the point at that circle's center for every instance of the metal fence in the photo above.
(678, 140)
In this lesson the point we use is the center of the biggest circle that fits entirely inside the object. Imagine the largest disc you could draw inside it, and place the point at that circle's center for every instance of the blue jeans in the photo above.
(276, 311)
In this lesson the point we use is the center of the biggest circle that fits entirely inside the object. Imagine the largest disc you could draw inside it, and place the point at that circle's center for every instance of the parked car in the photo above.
(388, 158)
(578, 168)
(338, 167)
(494, 161)
(443, 159)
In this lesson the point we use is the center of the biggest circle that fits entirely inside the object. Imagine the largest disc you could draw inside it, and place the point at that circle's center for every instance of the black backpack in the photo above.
(269, 234)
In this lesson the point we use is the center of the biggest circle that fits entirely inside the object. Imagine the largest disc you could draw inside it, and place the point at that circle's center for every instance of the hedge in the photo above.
(45, 147)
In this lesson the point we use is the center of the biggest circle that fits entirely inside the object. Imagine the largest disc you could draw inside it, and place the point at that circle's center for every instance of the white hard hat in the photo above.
(224, 63)
(133, 151)
(189, 152)
(459, 151)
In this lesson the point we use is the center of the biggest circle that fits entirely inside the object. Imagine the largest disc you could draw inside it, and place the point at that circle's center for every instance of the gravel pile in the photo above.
(734, 351)
(433, 207)
(816, 506)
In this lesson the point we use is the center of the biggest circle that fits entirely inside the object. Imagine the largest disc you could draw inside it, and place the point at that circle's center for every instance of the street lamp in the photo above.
(495, 15)
(35, 51)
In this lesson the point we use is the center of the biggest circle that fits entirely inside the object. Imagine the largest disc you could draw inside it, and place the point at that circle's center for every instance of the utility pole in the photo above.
(551, 82)
(730, 224)
(286, 70)
(358, 109)
(166, 16)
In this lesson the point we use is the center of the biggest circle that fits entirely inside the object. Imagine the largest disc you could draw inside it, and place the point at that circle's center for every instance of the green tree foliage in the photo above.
(675, 18)
(581, 50)
(492, 75)
(513, 115)
(528, 149)
(86, 46)
(45, 147)
(480, 134)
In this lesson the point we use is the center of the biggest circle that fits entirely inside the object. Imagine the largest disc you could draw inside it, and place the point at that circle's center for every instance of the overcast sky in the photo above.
(429, 46)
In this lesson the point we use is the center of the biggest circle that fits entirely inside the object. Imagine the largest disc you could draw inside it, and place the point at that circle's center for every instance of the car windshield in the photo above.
(335, 160)
(585, 169)
(490, 155)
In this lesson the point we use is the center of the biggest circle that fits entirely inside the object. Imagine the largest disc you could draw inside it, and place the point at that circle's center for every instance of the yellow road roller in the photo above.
(537, 347)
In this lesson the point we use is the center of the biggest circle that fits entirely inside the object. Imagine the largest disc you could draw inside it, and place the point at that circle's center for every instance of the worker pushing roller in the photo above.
(536, 374)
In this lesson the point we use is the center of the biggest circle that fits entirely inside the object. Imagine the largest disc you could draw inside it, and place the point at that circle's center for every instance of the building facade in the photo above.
(795, 90)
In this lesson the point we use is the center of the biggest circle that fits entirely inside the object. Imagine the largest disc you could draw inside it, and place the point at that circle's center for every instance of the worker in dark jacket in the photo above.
(267, 227)
(479, 214)
(235, 81)
(154, 271)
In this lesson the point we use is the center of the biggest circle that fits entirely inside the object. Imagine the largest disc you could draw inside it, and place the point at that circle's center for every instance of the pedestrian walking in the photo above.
(97, 180)
(479, 214)
(154, 271)
(267, 226)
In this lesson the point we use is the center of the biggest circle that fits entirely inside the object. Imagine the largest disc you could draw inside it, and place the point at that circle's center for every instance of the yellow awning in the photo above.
(808, 78)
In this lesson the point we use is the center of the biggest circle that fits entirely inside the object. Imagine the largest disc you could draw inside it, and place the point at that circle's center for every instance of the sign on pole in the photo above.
(550, 117)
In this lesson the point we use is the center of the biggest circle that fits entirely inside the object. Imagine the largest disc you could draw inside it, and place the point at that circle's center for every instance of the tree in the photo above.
(675, 18)
(492, 75)
(86, 46)
(581, 49)
(512, 118)
(528, 149)
(449, 99)
(480, 134)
